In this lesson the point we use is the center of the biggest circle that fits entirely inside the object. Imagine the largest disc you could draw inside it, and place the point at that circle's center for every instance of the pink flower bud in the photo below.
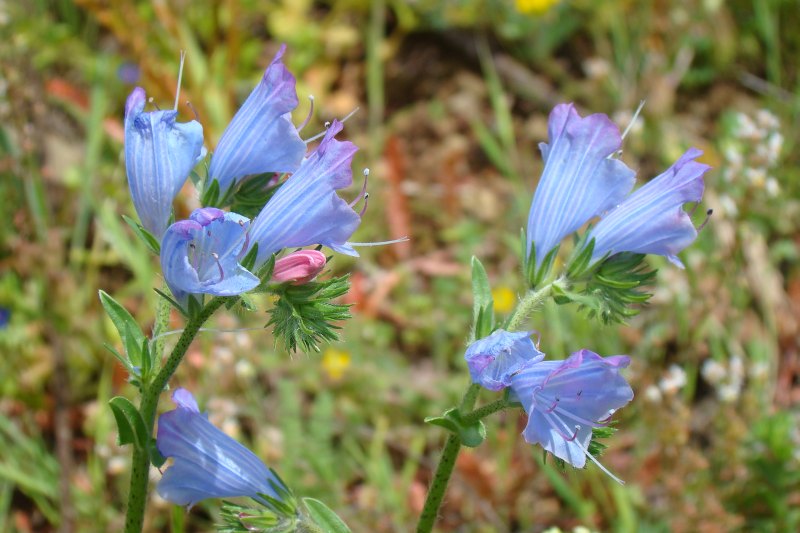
(298, 267)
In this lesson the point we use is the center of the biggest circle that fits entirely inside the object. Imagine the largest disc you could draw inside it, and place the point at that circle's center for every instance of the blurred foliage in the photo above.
(455, 98)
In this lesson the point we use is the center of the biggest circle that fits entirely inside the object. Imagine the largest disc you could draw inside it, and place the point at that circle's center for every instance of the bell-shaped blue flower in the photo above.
(580, 181)
(306, 209)
(652, 219)
(159, 155)
(202, 254)
(261, 137)
(495, 359)
(566, 399)
(207, 463)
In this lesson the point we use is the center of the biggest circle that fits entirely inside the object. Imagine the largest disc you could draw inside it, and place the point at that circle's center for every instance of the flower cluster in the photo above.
(204, 253)
(583, 181)
(564, 400)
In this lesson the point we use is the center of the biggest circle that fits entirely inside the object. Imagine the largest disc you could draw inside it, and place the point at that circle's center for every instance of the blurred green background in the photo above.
(453, 100)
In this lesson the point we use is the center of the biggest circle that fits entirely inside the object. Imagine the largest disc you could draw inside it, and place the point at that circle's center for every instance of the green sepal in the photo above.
(579, 264)
(147, 360)
(324, 517)
(248, 262)
(470, 434)
(131, 428)
(482, 301)
(172, 302)
(210, 196)
(195, 305)
(253, 194)
(147, 238)
(536, 276)
(129, 331)
(304, 315)
(156, 459)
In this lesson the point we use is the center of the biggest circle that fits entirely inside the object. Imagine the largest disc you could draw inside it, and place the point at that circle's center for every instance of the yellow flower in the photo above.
(504, 300)
(334, 363)
(535, 7)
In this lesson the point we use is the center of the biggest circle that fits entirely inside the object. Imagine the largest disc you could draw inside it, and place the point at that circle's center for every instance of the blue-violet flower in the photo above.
(202, 254)
(207, 463)
(261, 137)
(652, 219)
(306, 209)
(580, 181)
(495, 359)
(566, 399)
(159, 155)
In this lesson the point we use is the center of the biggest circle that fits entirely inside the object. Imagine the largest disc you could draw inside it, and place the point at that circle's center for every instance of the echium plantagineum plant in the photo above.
(270, 203)
(282, 196)
(570, 402)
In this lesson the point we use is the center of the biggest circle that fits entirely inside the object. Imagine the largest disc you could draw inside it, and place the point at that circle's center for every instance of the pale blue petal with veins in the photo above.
(580, 181)
(495, 359)
(207, 463)
(159, 155)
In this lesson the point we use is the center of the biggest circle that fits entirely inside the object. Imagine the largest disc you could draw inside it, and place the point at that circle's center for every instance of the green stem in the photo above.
(528, 305)
(486, 410)
(439, 484)
(137, 496)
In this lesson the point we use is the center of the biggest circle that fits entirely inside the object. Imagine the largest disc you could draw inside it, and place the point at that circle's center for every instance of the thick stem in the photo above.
(137, 496)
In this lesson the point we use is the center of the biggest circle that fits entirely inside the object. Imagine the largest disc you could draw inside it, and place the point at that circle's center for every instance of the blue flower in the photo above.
(206, 462)
(652, 219)
(566, 399)
(494, 360)
(202, 254)
(306, 209)
(261, 137)
(159, 155)
(579, 180)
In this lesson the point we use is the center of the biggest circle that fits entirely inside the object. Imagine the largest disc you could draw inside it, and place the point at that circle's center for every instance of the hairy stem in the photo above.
(528, 305)
(137, 496)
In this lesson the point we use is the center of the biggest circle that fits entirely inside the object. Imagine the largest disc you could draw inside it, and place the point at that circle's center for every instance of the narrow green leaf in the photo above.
(147, 238)
(126, 326)
(130, 425)
(324, 517)
(482, 301)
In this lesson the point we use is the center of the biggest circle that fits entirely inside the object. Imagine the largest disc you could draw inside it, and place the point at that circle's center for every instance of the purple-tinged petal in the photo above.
(652, 219)
(159, 155)
(206, 462)
(201, 255)
(261, 137)
(566, 399)
(306, 209)
(495, 359)
(579, 180)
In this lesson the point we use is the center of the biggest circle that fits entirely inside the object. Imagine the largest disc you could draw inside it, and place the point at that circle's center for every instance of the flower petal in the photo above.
(261, 137)
(495, 359)
(566, 399)
(201, 255)
(159, 155)
(652, 219)
(306, 209)
(579, 180)
(207, 462)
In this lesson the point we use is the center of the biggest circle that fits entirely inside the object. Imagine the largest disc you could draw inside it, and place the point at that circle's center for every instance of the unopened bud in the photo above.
(298, 267)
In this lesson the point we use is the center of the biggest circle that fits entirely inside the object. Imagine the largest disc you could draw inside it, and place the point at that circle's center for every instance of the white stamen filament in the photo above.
(327, 125)
(379, 243)
(633, 119)
(180, 77)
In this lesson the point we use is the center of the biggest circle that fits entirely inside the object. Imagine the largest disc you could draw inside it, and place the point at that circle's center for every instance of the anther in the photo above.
(363, 194)
(150, 100)
(366, 203)
(327, 124)
(708, 217)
